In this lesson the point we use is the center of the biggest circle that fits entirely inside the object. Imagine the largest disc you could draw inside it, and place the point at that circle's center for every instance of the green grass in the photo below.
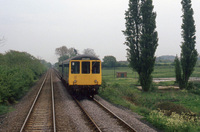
(123, 91)
(167, 83)
(159, 72)
(163, 72)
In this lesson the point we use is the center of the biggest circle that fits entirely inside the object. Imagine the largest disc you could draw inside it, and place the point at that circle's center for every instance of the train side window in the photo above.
(86, 67)
(75, 67)
(95, 67)
(67, 70)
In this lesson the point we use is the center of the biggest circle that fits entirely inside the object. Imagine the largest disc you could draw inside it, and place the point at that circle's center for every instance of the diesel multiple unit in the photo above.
(82, 74)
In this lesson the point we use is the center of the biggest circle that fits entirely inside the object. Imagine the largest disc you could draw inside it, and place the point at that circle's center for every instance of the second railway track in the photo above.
(105, 120)
(120, 120)
(41, 116)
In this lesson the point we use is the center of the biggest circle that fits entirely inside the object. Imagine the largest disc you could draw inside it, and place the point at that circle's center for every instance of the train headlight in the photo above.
(75, 81)
(95, 81)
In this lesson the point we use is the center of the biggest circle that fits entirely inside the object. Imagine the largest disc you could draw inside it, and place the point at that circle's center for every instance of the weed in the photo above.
(174, 122)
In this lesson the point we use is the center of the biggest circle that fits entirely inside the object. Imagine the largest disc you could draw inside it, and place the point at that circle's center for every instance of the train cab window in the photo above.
(75, 67)
(86, 67)
(95, 67)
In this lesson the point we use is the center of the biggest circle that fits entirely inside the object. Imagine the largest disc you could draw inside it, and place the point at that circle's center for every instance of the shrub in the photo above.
(174, 122)
(170, 107)
(190, 86)
(195, 91)
(18, 71)
(15, 82)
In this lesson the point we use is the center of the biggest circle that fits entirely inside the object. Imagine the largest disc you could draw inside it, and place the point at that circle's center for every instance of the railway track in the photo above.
(120, 120)
(41, 116)
(93, 124)
(98, 127)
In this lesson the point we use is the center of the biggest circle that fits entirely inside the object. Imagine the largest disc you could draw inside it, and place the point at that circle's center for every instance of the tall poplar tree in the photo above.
(189, 54)
(141, 39)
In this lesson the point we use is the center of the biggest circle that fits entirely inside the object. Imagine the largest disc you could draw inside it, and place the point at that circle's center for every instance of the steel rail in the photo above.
(25, 121)
(96, 126)
(53, 106)
(56, 72)
(120, 119)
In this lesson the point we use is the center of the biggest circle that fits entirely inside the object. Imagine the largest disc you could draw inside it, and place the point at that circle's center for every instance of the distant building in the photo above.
(121, 74)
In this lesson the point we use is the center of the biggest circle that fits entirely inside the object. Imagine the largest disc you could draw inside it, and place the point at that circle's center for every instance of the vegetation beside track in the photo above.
(183, 106)
(18, 72)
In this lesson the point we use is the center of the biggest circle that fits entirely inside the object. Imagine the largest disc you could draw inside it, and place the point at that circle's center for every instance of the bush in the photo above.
(15, 82)
(195, 91)
(170, 107)
(18, 71)
(190, 86)
(195, 88)
(174, 123)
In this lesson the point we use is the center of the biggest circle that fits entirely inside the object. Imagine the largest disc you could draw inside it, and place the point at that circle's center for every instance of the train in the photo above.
(82, 74)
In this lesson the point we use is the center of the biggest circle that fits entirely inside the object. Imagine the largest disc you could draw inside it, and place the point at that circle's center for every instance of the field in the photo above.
(159, 72)
(183, 107)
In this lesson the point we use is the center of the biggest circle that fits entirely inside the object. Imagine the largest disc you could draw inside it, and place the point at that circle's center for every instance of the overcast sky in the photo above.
(40, 26)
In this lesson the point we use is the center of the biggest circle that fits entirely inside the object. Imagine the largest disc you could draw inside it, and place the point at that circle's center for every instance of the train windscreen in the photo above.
(95, 67)
(75, 67)
(86, 67)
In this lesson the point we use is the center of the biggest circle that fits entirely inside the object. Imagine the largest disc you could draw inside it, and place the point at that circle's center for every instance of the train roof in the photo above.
(80, 57)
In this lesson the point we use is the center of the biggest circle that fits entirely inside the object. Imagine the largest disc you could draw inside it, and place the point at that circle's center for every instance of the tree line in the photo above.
(65, 53)
(18, 71)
